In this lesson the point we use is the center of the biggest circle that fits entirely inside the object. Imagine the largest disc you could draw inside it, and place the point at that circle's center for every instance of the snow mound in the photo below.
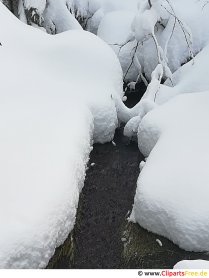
(172, 190)
(195, 264)
(56, 96)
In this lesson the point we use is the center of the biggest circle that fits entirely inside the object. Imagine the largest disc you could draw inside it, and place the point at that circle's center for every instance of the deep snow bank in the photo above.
(56, 94)
(172, 189)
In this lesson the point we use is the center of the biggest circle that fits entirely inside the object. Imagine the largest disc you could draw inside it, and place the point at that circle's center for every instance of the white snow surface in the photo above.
(172, 41)
(192, 264)
(55, 97)
(119, 22)
(37, 4)
(171, 196)
(57, 18)
(190, 78)
(172, 190)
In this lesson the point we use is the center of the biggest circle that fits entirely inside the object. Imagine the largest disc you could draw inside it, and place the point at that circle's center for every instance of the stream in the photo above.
(102, 237)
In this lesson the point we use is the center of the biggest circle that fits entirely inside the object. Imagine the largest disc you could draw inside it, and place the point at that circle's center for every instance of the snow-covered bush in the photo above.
(161, 33)
(143, 33)
(57, 16)
(63, 15)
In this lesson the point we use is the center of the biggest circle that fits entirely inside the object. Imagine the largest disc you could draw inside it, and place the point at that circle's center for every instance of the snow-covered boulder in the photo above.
(172, 189)
(56, 96)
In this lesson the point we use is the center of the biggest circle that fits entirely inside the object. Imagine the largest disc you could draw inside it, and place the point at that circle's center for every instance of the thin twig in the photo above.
(132, 60)
(185, 32)
(120, 45)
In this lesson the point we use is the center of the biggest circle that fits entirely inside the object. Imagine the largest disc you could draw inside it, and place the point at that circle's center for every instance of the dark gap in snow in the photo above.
(106, 198)
(104, 203)
(134, 96)
(102, 236)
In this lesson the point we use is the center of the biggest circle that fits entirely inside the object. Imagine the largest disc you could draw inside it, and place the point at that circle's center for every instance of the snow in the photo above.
(172, 190)
(119, 22)
(195, 264)
(114, 144)
(56, 96)
(170, 123)
(61, 93)
(159, 242)
(190, 78)
(140, 25)
(37, 4)
(63, 15)
(116, 5)
(57, 18)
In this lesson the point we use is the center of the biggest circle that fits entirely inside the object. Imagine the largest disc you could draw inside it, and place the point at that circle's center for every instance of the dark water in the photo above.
(102, 237)
(105, 201)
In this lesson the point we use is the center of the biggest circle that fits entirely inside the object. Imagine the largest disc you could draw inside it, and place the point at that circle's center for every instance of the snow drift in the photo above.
(172, 189)
(56, 96)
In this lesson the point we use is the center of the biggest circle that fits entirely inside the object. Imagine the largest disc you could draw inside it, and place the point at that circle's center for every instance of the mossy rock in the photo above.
(143, 250)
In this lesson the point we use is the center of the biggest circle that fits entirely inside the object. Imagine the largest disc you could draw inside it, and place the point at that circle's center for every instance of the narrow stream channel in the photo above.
(106, 198)
(102, 237)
